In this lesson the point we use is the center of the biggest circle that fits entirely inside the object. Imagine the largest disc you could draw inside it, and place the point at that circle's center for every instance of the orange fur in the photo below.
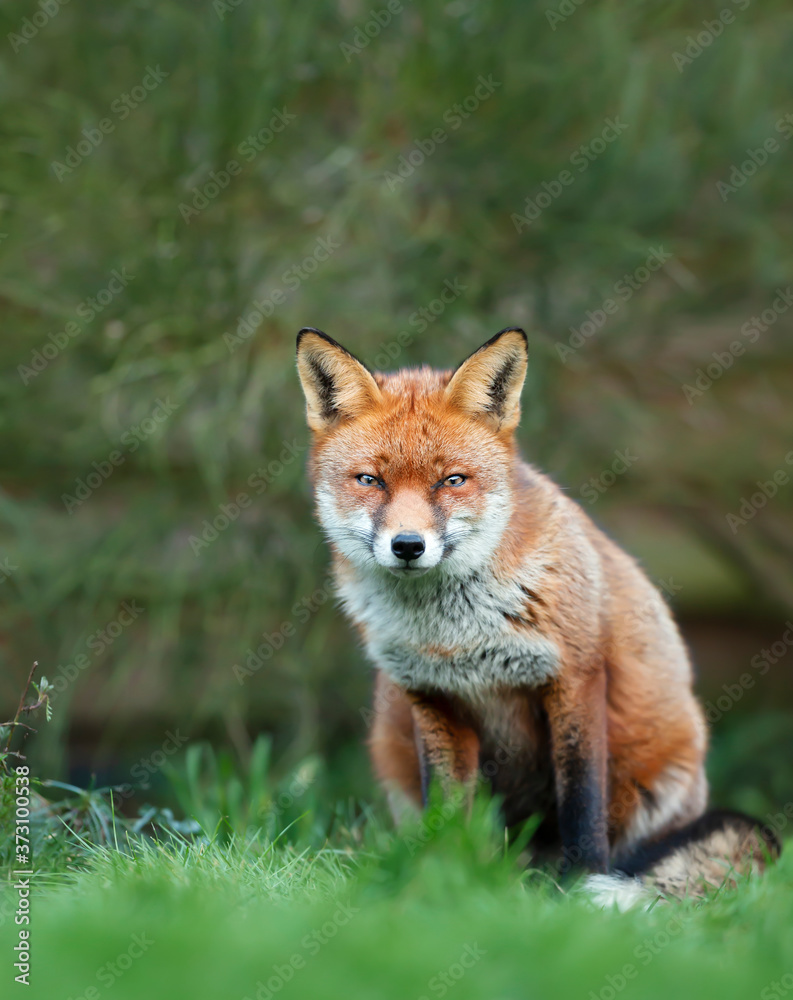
(612, 732)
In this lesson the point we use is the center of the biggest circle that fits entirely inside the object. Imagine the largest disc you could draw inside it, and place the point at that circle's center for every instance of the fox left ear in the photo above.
(488, 383)
(335, 383)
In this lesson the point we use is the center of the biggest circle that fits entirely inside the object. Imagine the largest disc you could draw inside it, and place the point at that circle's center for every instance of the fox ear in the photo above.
(335, 383)
(488, 383)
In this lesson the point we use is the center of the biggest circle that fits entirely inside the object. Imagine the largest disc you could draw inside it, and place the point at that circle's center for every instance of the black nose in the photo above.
(408, 546)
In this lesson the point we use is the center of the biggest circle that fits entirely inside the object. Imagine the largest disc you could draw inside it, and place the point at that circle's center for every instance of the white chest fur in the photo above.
(448, 633)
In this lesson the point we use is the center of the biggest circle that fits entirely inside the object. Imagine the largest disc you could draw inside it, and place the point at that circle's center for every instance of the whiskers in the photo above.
(453, 538)
(362, 539)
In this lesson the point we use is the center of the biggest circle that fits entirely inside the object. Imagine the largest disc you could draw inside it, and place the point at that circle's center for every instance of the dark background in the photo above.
(320, 226)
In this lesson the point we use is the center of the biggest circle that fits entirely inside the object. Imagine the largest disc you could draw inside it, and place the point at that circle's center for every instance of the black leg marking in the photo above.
(582, 815)
(425, 769)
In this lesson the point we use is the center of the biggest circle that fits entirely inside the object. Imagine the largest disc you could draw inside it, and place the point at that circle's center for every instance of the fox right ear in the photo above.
(335, 383)
(487, 385)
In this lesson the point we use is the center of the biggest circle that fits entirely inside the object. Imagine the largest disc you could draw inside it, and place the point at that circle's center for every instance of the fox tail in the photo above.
(715, 850)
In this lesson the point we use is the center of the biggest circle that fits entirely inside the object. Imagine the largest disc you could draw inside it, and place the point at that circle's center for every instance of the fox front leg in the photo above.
(577, 716)
(446, 748)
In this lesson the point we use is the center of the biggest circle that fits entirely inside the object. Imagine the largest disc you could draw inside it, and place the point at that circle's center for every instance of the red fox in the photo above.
(512, 639)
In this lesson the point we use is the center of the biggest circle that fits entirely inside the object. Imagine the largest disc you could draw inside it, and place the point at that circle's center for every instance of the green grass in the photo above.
(265, 874)
(162, 337)
(385, 917)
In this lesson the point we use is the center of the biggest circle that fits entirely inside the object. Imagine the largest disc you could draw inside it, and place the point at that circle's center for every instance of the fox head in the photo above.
(413, 471)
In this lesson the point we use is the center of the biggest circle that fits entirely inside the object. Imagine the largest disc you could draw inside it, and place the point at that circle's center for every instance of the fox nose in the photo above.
(408, 546)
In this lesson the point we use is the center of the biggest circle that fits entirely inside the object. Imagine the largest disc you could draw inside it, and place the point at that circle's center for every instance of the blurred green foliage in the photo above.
(194, 420)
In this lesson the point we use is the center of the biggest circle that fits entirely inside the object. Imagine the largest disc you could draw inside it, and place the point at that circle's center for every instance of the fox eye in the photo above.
(366, 480)
(455, 480)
